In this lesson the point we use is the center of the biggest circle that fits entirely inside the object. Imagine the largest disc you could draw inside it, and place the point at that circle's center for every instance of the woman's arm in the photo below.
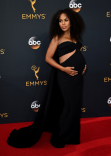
(50, 52)
(84, 69)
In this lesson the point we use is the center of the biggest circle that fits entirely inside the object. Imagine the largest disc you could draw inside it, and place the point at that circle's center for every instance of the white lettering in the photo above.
(35, 105)
(75, 5)
(34, 42)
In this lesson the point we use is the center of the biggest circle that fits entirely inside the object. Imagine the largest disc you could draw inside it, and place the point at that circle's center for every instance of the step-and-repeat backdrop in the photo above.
(24, 39)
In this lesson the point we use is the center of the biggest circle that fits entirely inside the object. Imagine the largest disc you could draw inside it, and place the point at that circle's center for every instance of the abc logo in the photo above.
(35, 106)
(109, 101)
(34, 44)
(76, 7)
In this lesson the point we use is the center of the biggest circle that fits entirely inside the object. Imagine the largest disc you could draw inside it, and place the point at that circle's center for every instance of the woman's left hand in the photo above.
(84, 69)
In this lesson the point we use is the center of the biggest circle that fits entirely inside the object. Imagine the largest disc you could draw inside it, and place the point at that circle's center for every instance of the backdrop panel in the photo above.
(23, 70)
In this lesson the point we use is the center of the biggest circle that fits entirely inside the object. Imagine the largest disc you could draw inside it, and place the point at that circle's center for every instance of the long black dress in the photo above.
(60, 108)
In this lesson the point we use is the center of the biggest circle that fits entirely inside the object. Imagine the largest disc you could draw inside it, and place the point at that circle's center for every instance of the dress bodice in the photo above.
(76, 60)
(68, 46)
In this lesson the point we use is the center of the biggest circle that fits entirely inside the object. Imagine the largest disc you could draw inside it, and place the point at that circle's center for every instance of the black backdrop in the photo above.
(18, 83)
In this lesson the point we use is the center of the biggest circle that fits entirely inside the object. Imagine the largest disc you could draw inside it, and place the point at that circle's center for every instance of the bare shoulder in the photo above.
(55, 39)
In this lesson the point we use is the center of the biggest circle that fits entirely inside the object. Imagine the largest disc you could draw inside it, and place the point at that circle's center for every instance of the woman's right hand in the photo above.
(71, 71)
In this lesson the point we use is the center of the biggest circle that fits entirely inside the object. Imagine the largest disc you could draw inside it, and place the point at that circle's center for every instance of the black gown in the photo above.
(60, 108)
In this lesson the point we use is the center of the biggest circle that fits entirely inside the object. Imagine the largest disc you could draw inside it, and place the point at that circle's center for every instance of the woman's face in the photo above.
(64, 22)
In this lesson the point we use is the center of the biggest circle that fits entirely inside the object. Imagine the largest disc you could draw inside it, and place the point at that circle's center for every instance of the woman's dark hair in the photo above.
(76, 21)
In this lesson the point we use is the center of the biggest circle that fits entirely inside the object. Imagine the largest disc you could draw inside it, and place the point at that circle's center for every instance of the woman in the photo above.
(60, 108)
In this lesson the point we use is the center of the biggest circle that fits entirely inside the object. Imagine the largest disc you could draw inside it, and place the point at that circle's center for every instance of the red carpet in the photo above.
(95, 140)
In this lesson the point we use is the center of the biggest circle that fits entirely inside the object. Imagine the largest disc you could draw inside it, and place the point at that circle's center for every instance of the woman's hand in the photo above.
(84, 69)
(70, 71)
